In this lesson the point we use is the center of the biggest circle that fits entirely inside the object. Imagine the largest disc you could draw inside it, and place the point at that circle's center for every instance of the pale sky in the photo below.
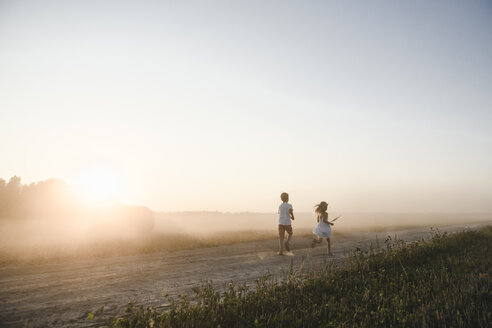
(222, 105)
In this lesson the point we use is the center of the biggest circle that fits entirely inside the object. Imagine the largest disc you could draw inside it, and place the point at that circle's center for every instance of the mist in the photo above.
(199, 223)
(49, 221)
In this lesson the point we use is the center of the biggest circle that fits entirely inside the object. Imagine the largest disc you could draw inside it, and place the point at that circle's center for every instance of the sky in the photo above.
(373, 106)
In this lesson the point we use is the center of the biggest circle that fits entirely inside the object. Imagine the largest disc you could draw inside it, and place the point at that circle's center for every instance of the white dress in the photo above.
(323, 230)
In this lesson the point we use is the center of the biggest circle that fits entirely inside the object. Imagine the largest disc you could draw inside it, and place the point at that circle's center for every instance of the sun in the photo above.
(99, 187)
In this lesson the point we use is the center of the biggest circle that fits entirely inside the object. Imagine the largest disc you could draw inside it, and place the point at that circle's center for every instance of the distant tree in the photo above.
(3, 186)
(138, 218)
(54, 199)
(11, 197)
(14, 184)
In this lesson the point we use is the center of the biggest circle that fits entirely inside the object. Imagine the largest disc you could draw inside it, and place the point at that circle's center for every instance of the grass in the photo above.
(157, 242)
(33, 252)
(125, 246)
(441, 282)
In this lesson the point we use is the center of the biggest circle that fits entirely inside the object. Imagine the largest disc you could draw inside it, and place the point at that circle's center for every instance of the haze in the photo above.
(219, 105)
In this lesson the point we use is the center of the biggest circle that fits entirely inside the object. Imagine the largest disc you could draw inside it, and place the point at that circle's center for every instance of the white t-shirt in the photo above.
(284, 216)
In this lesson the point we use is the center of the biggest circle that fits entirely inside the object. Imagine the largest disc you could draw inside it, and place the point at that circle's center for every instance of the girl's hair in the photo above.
(321, 207)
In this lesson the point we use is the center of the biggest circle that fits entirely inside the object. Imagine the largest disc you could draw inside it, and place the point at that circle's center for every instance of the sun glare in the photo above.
(99, 187)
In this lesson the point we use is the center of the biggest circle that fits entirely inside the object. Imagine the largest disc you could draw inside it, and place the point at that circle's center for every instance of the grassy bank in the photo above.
(441, 282)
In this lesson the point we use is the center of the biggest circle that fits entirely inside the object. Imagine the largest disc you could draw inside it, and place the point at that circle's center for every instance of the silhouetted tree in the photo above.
(43, 198)
(10, 196)
(54, 199)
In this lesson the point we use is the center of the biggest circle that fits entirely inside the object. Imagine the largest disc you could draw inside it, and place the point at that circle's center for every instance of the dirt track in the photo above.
(62, 294)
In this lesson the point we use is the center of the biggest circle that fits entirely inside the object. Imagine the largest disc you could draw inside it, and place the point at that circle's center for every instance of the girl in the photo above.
(323, 229)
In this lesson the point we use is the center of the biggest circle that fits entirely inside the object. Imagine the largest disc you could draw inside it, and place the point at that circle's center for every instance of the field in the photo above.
(93, 291)
(46, 241)
(442, 282)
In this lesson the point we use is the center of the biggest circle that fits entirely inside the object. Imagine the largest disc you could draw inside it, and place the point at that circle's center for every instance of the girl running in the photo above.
(323, 229)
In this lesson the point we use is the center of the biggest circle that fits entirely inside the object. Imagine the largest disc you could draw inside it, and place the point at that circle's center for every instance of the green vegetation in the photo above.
(441, 282)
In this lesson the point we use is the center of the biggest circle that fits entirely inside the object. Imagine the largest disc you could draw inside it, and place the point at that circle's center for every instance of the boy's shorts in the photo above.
(283, 228)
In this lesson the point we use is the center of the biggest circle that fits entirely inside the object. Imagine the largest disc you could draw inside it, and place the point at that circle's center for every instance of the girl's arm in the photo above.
(325, 219)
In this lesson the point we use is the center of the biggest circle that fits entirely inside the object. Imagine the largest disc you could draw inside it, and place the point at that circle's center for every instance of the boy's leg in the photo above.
(289, 236)
(287, 245)
(281, 233)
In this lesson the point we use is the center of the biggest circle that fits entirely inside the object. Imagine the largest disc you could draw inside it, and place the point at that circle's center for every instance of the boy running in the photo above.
(286, 213)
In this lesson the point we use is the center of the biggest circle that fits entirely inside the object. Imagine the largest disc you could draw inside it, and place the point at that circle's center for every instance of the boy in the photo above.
(286, 213)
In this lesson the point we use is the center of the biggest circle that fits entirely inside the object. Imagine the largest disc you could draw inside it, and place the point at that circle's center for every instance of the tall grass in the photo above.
(38, 253)
(441, 282)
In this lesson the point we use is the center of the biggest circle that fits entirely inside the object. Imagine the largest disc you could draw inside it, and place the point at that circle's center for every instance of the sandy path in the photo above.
(62, 294)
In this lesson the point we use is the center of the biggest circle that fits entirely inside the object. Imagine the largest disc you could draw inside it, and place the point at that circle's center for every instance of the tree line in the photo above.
(54, 199)
(50, 197)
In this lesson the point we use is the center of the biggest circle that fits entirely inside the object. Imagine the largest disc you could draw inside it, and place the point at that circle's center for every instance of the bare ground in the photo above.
(63, 294)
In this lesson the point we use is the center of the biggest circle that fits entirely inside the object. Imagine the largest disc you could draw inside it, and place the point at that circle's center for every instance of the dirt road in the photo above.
(62, 294)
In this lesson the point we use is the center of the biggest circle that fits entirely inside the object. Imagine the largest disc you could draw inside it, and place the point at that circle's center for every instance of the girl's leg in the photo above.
(316, 240)
(329, 246)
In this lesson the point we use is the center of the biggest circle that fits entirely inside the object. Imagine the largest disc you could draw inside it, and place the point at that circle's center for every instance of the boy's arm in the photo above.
(291, 212)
